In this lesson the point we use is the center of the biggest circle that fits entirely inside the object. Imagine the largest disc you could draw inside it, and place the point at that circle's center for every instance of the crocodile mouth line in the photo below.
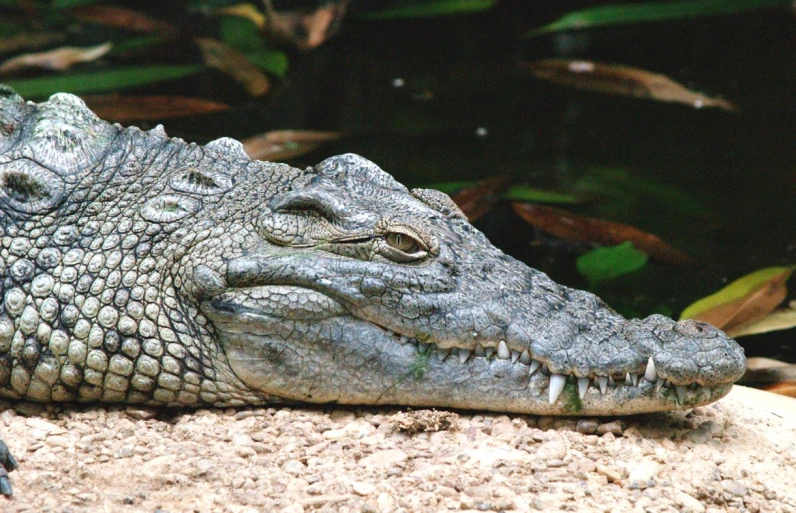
(642, 381)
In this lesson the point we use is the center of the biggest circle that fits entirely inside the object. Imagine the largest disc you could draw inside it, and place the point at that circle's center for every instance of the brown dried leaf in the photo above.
(17, 42)
(283, 145)
(230, 61)
(752, 307)
(622, 80)
(782, 319)
(121, 17)
(306, 29)
(58, 59)
(770, 375)
(567, 225)
(479, 199)
(124, 109)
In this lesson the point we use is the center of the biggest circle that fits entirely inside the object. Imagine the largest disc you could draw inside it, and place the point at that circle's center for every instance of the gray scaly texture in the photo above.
(138, 268)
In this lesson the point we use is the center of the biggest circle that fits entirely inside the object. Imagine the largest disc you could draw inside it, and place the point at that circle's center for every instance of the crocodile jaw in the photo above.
(346, 360)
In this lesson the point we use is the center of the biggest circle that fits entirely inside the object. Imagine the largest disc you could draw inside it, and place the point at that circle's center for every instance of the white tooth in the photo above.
(525, 358)
(659, 385)
(681, 390)
(634, 378)
(479, 351)
(503, 351)
(464, 354)
(390, 332)
(603, 382)
(443, 353)
(489, 351)
(535, 364)
(650, 374)
(628, 381)
(611, 381)
(557, 382)
(583, 386)
(515, 355)
(404, 339)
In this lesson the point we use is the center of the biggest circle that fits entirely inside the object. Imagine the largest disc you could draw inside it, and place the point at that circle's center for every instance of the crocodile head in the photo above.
(360, 291)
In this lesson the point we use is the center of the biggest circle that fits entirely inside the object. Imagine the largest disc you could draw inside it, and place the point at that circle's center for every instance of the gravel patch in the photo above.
(734, 456)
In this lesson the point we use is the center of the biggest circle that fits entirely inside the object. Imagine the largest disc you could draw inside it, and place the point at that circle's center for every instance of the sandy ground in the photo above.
(737, 455)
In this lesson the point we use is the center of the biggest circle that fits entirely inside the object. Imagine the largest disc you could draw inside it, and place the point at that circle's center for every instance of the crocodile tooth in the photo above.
(442, 354)
(583, 386)
(464, 354)
(390, 332)
(535, 364)
(628, 381)
(681, 390)
(489, 351)
(659, 385)
(503, 351)
(515, 355)
(525, 358)
(633, 378)
(611, 382)
(603, 382)
(404, 339)
(557, 382)
(479, 351)
(650, 374)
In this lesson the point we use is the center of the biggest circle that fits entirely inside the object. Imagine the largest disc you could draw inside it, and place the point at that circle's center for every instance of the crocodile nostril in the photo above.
(699, 329)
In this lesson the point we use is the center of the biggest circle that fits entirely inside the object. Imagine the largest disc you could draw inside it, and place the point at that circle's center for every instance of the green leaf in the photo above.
(531, 194)
(609, 262)
(429, 8)
(68, 4)
(136, 43)
(243, 35)
(736, 290)
(99, 81)
(657, 11)
(274, 62)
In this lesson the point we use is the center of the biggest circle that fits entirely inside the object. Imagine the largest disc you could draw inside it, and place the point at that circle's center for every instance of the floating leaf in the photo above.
(478, 199)
(121, 17)
(429, 8)
(283, 145)
(607, 263)
(658, 11)
(783, 319)
(532, 194)
(99, 81)
(567, 225)
(743, 301)
(123, 109)
(233, 63)
(622, 80)
(58, 59)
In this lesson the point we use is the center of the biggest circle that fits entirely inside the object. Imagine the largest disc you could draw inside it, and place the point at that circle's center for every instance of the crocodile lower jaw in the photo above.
(647, 382)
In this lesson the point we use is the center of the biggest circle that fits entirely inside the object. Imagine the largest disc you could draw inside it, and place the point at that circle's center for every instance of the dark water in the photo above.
(717, 185)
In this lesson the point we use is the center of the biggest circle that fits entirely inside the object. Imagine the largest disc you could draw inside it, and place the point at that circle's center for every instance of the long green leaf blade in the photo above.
(646, 12)
(99, 80)
(427, 9)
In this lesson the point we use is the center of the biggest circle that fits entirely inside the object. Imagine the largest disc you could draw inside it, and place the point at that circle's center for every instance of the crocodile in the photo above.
(138, 268)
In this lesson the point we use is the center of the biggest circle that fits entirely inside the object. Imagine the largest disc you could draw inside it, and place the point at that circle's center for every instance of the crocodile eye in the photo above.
(402, 242)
